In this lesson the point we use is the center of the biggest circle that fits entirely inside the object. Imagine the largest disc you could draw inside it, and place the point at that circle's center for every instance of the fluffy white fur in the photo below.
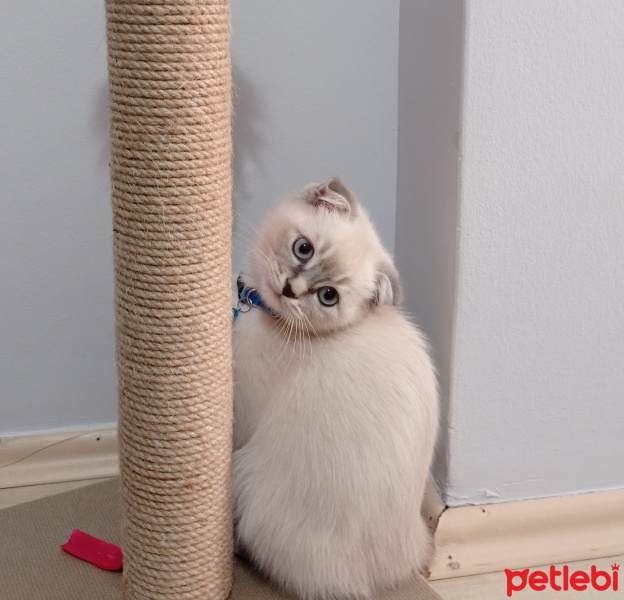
(336, 408)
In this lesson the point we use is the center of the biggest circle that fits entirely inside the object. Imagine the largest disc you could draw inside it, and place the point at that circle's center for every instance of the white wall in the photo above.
(430, 70)
(317, 96)
(509, 211)
(56, 308)
(537, 401)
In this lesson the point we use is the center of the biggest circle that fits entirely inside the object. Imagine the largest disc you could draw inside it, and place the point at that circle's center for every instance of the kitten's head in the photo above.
(318, 260)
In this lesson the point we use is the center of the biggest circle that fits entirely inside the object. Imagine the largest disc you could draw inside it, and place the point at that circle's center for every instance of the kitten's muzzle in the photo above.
(287, 291)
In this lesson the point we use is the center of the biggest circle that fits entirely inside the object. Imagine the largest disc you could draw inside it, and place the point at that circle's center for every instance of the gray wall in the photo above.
(503, 184)
(510, 221)
(56, 309)
(430, 64)
(538, 353)
(316, 96)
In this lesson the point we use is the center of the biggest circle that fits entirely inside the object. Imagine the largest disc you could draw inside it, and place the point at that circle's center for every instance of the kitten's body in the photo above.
(334, 432)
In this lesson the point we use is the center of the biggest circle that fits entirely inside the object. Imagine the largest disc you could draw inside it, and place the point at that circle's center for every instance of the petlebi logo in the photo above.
(563, 580)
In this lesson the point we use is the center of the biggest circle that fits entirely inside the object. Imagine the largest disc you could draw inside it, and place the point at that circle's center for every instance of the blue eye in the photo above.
(328, 296)
(303, 249)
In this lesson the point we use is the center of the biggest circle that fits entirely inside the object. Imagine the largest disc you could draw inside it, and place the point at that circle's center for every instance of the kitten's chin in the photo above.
(271, 298)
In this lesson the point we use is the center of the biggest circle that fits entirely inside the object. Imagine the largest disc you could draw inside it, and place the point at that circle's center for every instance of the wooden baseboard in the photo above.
(469, 539)
(483, 539)
(56, 457)
(92, 454)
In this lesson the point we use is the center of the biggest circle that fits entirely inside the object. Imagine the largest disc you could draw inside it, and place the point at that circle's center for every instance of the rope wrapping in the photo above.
(170, 132)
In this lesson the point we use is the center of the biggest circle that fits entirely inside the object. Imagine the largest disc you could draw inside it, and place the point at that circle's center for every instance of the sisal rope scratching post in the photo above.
(169, 81)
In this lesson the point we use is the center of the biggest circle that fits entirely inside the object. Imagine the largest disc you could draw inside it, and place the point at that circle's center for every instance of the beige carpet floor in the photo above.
(33, 566)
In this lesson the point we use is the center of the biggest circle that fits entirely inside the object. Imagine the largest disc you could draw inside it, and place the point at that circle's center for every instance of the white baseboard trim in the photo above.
(471, 540)
(57, 457)
(93, 454)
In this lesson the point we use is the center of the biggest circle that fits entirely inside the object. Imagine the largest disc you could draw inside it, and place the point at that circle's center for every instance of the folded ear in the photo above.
(333, 195)
(387, 285)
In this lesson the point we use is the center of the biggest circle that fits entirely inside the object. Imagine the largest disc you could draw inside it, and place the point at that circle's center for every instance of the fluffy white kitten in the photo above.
(336, 406)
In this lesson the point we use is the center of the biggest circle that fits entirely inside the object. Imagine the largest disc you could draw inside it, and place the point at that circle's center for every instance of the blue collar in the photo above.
(249, 297)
